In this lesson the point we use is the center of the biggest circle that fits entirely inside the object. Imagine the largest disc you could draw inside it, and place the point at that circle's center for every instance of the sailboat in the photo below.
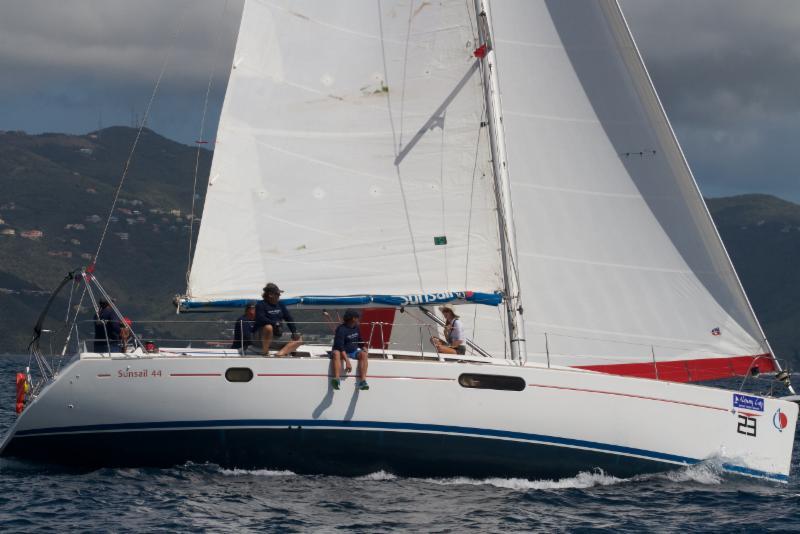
(509, 158)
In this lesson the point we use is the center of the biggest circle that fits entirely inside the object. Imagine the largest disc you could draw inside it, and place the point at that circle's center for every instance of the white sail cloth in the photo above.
(349, 148)
(617, 252)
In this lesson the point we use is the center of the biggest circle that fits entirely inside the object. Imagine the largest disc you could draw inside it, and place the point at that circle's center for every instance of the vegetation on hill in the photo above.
(62, 186)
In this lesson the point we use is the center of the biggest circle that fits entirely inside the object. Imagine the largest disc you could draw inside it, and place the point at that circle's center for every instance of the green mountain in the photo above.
(63, 185)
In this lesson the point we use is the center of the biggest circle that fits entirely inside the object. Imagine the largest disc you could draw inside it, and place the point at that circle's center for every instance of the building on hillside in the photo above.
(156, 211)
(86, 256)
(10, 206)
(136, 202)
(93, 219)
(122, 235)
(141, 219)
(114, 219)
(86, 151)
(176, 213)
(91, 190)
(2, 221)
(8, 231)
(60, 253)
(75, 226)
(130, 221)
(75, 241)
(32, 234)
(126, 211)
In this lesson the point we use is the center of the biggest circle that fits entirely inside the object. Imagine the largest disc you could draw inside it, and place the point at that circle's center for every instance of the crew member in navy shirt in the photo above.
(270, 315)
(106, 329)
(243, 329)
(347, 343)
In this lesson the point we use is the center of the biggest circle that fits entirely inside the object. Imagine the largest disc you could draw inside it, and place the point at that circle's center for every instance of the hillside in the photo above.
(62, 185)
(762, 235)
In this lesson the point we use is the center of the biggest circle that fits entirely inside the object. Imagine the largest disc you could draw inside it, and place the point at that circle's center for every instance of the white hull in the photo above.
(416, 418)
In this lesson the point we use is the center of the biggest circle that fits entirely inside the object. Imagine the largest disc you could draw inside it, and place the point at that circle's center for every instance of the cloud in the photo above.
(726, 70)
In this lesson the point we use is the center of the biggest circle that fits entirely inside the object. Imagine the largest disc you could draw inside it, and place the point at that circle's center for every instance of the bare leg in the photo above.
(337, 363)
(266, 338)
(444, 349)
(289, 347)
(363, 363)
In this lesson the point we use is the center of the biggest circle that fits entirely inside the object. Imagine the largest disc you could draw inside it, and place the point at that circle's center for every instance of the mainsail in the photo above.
(352, 159)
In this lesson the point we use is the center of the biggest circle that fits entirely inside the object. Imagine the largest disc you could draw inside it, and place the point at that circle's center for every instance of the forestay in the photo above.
(349, 151)
(619, 260)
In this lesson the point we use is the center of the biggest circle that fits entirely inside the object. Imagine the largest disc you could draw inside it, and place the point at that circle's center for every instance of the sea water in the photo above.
(206, 497)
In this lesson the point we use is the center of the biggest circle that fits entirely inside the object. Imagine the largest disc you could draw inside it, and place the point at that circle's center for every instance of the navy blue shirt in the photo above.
(273, 314)
(110, 329)
(347, 338)
(242, 333)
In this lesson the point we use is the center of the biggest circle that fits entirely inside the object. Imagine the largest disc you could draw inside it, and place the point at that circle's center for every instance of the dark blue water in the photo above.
(206, 497)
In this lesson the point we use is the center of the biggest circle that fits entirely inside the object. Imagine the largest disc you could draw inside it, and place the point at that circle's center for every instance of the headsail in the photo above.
(619, 260)
(350, 158)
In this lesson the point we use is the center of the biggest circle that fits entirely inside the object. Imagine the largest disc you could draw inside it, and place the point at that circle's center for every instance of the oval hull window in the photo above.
(239, 374)
(499, 382)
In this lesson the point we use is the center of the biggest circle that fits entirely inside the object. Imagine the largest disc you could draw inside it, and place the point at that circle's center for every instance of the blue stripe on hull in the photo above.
(341, 447)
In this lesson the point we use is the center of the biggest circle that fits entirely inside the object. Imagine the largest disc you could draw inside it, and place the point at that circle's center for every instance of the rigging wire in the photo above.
(148, 109)
(199, 143)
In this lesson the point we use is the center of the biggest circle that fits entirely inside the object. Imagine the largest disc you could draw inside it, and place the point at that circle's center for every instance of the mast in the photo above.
(502, 187)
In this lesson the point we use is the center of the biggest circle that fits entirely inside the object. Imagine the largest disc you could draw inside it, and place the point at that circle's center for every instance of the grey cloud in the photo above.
(727, 72)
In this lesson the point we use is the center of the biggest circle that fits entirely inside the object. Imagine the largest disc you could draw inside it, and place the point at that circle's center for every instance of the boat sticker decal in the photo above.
(779, 420)
(747, 402)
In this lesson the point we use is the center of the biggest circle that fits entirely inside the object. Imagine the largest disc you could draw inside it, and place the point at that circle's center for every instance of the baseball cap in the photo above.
(272, 288)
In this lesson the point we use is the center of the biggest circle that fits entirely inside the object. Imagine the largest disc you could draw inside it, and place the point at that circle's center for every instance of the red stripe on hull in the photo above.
(690, 370)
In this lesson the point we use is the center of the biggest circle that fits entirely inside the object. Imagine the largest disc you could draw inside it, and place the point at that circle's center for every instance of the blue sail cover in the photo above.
(421, 299)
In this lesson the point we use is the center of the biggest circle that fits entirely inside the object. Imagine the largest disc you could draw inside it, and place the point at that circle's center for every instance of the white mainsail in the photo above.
(351, 145)
(617, 252)
(349, 148)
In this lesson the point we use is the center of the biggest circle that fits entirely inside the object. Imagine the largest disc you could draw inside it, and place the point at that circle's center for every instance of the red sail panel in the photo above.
(690, 370)
(376, 327)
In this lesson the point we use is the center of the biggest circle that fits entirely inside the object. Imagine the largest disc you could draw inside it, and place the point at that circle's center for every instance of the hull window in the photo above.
(239, 374)
(507, 383)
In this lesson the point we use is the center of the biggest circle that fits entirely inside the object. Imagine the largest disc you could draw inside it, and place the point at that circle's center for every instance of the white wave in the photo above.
(709, 473)
(256, 472)
(580, 481)
(379, 475)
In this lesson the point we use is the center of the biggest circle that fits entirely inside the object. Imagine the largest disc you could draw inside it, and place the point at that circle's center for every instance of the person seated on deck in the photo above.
(243, 328)
(454, 341)
(106, 328)
(347, 343)
(124, 334)
(270, 314)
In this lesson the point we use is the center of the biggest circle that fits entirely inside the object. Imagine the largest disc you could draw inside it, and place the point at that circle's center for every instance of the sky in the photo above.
(727, 72)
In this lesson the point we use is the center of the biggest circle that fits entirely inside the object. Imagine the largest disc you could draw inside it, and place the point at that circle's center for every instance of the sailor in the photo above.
(243, 328)
(270, 314)
(454, 341)
(347, 343)
(106, 329)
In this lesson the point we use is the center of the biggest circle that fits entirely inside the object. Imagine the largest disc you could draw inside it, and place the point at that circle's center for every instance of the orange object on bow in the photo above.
(22, 389)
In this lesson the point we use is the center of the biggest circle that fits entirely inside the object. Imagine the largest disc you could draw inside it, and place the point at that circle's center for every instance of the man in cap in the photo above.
(270, 314)
(454, 341)
(243, 328)
(347, 343)
(106, 329)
